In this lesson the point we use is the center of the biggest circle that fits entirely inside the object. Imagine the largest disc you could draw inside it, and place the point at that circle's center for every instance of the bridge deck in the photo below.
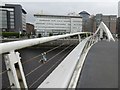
(100, 69)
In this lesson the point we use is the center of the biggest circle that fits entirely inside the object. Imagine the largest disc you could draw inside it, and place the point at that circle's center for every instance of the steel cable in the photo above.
(4, 71)
(47, 60)
(41, 55)
(49, 68)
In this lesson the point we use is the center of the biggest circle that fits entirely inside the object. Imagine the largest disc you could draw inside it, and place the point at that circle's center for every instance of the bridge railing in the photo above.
(13, 60)
(67, 73)
(62, 75)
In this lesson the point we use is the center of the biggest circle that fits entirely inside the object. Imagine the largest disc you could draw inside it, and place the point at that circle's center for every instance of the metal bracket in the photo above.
(79, 37)
(15, 74)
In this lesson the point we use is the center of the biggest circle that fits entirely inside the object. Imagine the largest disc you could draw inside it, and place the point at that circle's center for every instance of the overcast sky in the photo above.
(63, 7)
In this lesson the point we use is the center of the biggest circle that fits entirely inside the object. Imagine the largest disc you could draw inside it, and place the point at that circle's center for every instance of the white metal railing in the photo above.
(12, 60)
(13, 63)
(77, 71)
(61, 76)
(10, 46)
(58, 79)
(103, 28)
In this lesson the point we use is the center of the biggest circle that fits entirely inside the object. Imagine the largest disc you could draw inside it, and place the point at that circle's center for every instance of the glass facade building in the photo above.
(3, 18)
(13, 18)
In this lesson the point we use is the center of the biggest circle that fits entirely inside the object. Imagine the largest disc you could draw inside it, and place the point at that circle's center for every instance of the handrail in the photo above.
(58, 79)
(10, 46)
(103, 27)
(12, 60)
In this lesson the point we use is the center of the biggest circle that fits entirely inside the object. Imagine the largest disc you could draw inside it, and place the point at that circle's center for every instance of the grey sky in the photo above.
(63, 8)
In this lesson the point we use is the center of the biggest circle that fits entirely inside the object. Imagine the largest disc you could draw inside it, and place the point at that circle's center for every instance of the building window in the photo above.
(11, 20)
(113, 19)
(11, 16)
(11, 26)
(11, 13)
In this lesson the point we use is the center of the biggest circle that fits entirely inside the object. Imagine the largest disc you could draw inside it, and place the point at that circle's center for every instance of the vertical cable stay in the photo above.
(41, 55)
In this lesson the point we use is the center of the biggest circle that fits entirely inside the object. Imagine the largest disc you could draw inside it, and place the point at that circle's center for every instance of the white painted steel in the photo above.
(79, 38)
(78, 68)
(9, 46)
(61, 76)
(10, 60)
(106, 30)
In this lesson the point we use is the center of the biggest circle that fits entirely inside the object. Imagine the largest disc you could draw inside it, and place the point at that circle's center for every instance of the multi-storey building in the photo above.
(118, 25)
(57, 24)
(30, 28)
(13, 18)
(85, 20)
(109, 20)
(98, 19)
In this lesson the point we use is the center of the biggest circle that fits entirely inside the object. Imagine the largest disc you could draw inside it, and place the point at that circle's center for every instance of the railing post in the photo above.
(15, 74)
(79, 38)
(86, 34)
(90, 42)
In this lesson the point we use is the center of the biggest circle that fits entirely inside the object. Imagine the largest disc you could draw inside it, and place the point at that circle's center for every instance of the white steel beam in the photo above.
(15, 74)
(9, 46)
(61, 76)
(103, 27)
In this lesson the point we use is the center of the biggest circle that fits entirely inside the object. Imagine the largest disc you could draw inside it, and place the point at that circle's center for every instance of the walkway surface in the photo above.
(100, 69)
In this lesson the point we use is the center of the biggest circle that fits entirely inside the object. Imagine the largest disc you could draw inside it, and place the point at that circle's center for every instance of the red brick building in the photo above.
(30, 29)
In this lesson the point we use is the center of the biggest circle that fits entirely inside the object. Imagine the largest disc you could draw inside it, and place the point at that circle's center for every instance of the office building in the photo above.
(98, 19)
(57, 24)
(13, 18)
(91, 23)
(118, 20)
(85, 20)
(109, 20)
(118, 26)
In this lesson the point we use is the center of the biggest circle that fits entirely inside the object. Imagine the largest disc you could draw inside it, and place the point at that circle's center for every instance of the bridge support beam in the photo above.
(15, 70)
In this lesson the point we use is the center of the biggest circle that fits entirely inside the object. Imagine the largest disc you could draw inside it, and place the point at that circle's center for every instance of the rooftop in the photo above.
(13, 6)
(84, 12)
(57, 15)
